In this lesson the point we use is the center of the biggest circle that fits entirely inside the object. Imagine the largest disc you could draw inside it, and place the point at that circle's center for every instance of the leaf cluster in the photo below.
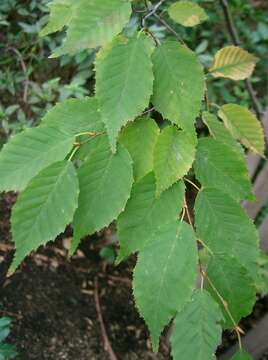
(127, 154)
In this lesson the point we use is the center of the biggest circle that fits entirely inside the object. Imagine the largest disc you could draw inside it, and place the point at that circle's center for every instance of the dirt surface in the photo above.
(52, 301)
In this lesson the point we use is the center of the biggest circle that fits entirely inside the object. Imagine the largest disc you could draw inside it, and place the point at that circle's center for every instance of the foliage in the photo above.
(6, 351)
(127, 154)
(29, 83)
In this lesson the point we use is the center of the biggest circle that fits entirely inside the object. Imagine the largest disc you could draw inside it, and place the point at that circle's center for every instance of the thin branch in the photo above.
(107, 344)
(151, 12)
(192, 183)
(236, 41)
(169, 28)
(237, 329)
(188, 213)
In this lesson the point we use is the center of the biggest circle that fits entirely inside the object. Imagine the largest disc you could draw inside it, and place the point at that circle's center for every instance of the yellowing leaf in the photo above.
(187, 13)
(244, 126)
(234, 63)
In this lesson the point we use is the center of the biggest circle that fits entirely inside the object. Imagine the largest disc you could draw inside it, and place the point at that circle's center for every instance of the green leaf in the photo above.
(75, 116)
(198, 320)
(187, 13)
(60, 15)
(7, 351)
(28, 153)
(165, 275)
(218, 131)
(4, 328)
(145, 214)
(241, 355)
(219, 166)
(234, 63)
(176, 69)
(234, 285)
(94, 23)
(225, 227)
(139, 138)
(262, 282)
(173, 157)
(44, 209)
(244, 126)
(105, 181)
(124, 82)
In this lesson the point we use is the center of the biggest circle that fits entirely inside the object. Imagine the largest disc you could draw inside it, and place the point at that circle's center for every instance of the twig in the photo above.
(107, 344)
(236, 41)
(188, 213)
(11, 314)
(192, 183)
(24, 69)
(151, 12)
(168, 27)
(237, 329)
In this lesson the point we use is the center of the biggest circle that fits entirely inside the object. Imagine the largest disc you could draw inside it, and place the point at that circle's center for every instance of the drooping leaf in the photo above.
(242, 355)
(94, 23)
(244, 126)
(139, 138)
(176, 69)
(165, 275)
(234, 285)
(28, 153)
(197, 333)
(187, 13)
(75, 116)
(145, 214)
(173, 157)
(105, 181)
(44, 209)
(234, 63)
(225, 227)
(218, 165)
(218, 131)
(60, 15)
(124, 81)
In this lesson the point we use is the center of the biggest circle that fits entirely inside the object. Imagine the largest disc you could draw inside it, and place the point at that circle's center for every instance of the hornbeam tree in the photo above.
(126, 155)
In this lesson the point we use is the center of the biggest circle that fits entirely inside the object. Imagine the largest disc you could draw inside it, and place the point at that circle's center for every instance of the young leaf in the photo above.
(124, 82)
(176, 69)
(219, 166)
(225, 227)
(234, 285)
(234, 63)
(75, 116)
(28, 153)
(44, 209)
(173, 157)
(165, 275)
(105, 181)
(244, 126)
(60, 15)
(139, 138)
(94, 23)
(145, 214)
(242, 355)
(198, 320)
(187, 13)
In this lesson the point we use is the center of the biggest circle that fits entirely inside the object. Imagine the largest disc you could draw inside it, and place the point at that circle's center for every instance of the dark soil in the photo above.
(52, 304)
(52, 301)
